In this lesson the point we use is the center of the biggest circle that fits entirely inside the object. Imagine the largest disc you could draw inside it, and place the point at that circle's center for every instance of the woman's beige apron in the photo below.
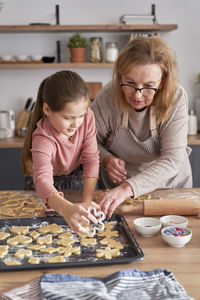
(139, 155)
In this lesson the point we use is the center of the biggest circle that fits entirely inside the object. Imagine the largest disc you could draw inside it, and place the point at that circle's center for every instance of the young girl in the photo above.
(61, 137)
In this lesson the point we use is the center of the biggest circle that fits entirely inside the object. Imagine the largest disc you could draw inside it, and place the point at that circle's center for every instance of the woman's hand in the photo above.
(77, 215)
(115, 168)
(108, 201)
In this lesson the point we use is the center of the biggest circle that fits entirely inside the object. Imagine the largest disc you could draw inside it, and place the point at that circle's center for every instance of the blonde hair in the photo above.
(148, 50)
(55, 90)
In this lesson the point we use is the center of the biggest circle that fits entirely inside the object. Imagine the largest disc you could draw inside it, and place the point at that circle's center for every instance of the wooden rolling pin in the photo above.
(161, 207)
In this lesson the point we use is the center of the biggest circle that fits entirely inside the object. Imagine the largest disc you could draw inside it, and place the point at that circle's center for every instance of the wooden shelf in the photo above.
(86, 28)
(79, 28)
(65, 65)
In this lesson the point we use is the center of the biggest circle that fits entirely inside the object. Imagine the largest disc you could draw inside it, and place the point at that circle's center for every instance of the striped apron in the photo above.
(139, 155)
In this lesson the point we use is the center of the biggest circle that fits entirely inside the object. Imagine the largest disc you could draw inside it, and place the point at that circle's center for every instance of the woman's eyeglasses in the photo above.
(144, 91)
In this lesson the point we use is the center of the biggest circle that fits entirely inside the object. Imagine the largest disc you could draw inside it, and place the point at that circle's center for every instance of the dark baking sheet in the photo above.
(129, 254)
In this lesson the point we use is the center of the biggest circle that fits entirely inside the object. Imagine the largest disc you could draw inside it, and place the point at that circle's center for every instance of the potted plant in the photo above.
(198, 78)
(77, 45)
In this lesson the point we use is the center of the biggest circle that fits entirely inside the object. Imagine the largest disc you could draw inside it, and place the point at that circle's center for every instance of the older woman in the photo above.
(141, 119)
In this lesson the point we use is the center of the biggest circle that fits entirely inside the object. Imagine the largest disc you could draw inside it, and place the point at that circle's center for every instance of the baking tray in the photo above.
(130, 253)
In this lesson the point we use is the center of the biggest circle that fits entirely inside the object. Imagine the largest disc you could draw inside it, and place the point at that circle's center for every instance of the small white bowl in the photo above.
(7, 57)
(36, 57)
(147, 227)
(22, 57)
(173, 240)
(174, 220)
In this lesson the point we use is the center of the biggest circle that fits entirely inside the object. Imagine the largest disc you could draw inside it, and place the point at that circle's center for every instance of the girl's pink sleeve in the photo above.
(42, 152)
(90, 153)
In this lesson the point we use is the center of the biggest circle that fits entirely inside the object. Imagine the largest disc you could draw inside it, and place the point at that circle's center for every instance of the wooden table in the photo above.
(183, 262)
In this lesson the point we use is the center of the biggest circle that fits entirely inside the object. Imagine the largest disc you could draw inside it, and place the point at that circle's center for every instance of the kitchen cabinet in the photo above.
(11, 176)
(117, 28)
(195, 164)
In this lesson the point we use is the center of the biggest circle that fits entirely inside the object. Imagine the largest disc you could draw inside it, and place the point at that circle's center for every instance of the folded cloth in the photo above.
(127, 284)
(29, 291)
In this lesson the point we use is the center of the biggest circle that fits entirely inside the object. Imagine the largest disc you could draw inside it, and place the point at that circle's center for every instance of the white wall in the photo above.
(17, 85)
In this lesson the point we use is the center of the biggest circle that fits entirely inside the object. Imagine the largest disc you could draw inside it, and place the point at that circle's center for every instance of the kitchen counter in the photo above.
(183, 262)
(18, 142)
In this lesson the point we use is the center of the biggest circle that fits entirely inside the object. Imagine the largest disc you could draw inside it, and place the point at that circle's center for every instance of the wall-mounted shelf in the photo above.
(122, 28)
(87, 28)
(19, 65)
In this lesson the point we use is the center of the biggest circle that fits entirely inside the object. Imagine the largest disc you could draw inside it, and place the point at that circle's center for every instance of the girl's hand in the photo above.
(115, 168)
(77, 215)
(108, 201)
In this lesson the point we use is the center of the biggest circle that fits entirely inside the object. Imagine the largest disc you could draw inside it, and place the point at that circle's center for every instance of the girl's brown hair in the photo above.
(148, 50)
(56, 90)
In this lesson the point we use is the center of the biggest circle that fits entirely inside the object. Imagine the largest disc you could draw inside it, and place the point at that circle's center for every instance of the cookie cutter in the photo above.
(100, 217)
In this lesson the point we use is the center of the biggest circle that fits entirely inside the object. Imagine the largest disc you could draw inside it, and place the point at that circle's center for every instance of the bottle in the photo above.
(111, 52)
(192, 123)
(96, 53)
(197, 111)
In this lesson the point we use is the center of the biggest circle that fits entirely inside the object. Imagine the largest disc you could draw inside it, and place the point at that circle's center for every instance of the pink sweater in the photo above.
(53, 155)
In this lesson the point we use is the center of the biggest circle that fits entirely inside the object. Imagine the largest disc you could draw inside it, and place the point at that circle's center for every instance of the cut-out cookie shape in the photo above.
(44, 240)
(4, 235)
(48, 250)
(55, 259)
(88, 241)
(19, 240)
(111, 243)
(67, 251)
(100, 226)
(108, 253)
(19, 229)
(21, 253)
(52, 228)
(11, 262)
(108, 233)
(36, 247)
(33, 260)
(65, 242)
(66, 235)
(3, 250)
(34, 234)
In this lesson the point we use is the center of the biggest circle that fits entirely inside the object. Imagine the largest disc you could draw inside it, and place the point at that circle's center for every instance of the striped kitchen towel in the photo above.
(124, 285)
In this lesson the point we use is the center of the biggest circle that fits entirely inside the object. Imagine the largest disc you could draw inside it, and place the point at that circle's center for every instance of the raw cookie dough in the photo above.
(107, 253)
(36, 247)
(21, 253)
(55, 259)
(88, 241)
(111, 243)
(52, 228)
(67, 251)
(49, 250)
(108, 233)
(64, 235)
(4, 235)
(19, 240)
(34, 234)
(44, 240)
(19, 229)
(11, 262)
(3, 250)
(65, 242)
(14, 204)
(33, 260)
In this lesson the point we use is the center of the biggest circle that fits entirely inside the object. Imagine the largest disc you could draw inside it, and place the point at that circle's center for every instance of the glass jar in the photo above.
(111, 52)
(96, 53)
